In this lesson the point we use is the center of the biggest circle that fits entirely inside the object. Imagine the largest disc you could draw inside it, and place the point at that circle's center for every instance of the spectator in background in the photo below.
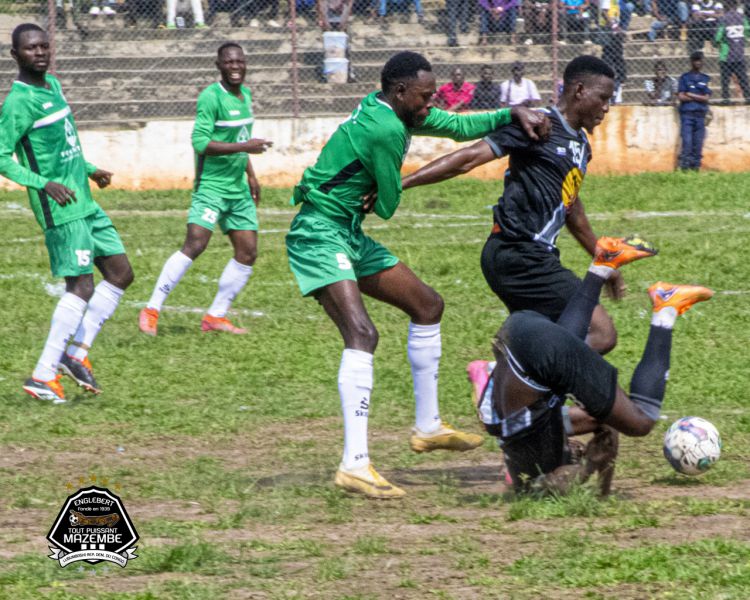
(662, 89)
(106, 8)
(730, 37)
(519, 91)
(486, 91)
(197, 8)
(693, 93)
(455, 95)
(333, 15)
(615, 11)
(703, 23)
(612, 39)
(667, 13)
(143, 9)
(457, 13)
(497, 16)
(400, 6)
(575, 20)
(537, 21)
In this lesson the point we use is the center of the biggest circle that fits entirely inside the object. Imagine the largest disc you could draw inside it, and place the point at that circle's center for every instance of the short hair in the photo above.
(15, 37)
(226, 45)
(697, 55)
(403, 65)
(660, 64)
(583, 66)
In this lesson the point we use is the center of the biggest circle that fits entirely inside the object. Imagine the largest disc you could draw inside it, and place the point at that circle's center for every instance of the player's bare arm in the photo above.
(252, 146)
(449, 166)
(252, 181)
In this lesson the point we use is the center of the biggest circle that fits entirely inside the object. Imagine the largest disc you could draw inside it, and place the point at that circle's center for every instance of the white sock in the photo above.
(601, 270)
(355, 386)
(665, 317)
(231, 282)
(424, 349)
(65, 321)
(171, 273)
(100, 308)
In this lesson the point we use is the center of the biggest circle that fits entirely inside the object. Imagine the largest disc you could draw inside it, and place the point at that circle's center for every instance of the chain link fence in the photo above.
(136, 60)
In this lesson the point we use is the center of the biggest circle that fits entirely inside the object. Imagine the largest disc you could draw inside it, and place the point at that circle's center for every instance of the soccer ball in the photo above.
(692, 445)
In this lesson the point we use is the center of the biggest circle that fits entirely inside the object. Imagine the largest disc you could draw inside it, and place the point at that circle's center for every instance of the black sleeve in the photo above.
(507, 138)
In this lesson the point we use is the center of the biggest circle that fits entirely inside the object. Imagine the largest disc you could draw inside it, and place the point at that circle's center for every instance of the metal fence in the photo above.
(136, 60)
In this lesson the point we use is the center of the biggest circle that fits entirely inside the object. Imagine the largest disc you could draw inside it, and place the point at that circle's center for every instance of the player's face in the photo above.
(32, 53)
(594, 97)
(414, 99)
(231, 65)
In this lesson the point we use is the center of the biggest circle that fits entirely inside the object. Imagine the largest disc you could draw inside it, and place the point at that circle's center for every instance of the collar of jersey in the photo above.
(564, 122)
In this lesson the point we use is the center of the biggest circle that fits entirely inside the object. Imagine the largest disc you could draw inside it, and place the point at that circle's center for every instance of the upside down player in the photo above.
(226, 192)
(520, 260)
(334, 261)
(539, 361)
(36, 123)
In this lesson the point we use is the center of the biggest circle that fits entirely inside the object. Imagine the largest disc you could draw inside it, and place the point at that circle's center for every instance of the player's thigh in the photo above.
(320, 253)
(71, 249)
(238, 214)
(205, 210)
(526, 277)
(107, 241)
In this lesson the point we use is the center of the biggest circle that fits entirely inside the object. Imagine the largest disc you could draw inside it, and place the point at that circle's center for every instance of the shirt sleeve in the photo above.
(15, 122)
(507, 138)
(205, 120)
(682, 84)
(382, 160)
(462, 128)
(91, 169)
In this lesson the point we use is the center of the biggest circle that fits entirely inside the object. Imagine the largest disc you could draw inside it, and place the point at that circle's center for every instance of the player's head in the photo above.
(230, 60)
(30, 48)
(487, 73)
(696, 60)
(588, 85)
(408, 83)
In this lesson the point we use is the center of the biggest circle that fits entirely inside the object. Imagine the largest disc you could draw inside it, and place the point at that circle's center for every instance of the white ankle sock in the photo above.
(355, 386)
(665, 317)
(231, 282)
(170, 276)
(601, 270)
(100, 308)
(424, 349)
(65, 321)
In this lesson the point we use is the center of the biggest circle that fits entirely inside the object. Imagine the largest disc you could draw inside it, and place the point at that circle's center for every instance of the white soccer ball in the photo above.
(692, 445)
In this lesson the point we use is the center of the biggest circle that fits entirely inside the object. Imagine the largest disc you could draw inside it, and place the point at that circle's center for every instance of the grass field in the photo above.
(224, 448)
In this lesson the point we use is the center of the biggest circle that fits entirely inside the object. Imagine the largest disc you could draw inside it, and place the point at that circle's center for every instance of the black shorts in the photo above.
(556, 362)
(526, 276)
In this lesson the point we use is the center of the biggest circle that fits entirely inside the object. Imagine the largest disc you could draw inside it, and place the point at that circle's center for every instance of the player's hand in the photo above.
(535, 123)
(369, 200)
(616, 287)
(61, 194)
(256, 146)
(254, 189)
(101, 177)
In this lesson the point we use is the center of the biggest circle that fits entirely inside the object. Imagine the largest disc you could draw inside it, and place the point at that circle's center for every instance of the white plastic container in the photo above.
(335, 44)
(336, 70)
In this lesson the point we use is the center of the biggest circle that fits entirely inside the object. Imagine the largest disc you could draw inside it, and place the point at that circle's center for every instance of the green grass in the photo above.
(224, 448)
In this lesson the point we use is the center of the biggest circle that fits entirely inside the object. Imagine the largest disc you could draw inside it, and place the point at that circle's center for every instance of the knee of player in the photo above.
(639, 427)
(193, 248)
(363, 334)
(246, 256)
(83, 287)
(430, 311)
(124, 279)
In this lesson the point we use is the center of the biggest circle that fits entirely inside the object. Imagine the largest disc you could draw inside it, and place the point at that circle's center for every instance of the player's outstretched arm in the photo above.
(448, 166)
(464, 128)
(252, 146)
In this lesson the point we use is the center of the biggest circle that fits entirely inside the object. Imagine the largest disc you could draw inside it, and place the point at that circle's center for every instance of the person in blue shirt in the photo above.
(693, 93)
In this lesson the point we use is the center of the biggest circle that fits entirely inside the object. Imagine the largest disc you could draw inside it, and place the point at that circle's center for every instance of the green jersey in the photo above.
(36, 124)
(222, 117)
(366, 153)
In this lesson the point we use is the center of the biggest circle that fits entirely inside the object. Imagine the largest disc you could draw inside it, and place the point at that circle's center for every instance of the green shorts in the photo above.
(323, 251)
(206, 209)
(73, 246)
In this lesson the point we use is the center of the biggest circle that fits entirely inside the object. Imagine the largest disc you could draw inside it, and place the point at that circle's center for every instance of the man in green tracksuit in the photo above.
(334, 261)
(37, 125)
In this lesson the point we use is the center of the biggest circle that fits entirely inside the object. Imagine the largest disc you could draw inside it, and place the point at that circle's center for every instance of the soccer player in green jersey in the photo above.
(36, 124)
(226, 192)
(334, 261)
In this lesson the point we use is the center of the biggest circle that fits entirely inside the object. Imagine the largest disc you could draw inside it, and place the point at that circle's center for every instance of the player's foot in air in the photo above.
(680, 297)
(80, 371)
(478, 372)
(148, 320)
(445, 438)
(617, 252)
(51, 390)
(210, 323)
(367, 481)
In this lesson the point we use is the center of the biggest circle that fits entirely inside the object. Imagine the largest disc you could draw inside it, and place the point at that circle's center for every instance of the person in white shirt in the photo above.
(519, 91)
(195, 5)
